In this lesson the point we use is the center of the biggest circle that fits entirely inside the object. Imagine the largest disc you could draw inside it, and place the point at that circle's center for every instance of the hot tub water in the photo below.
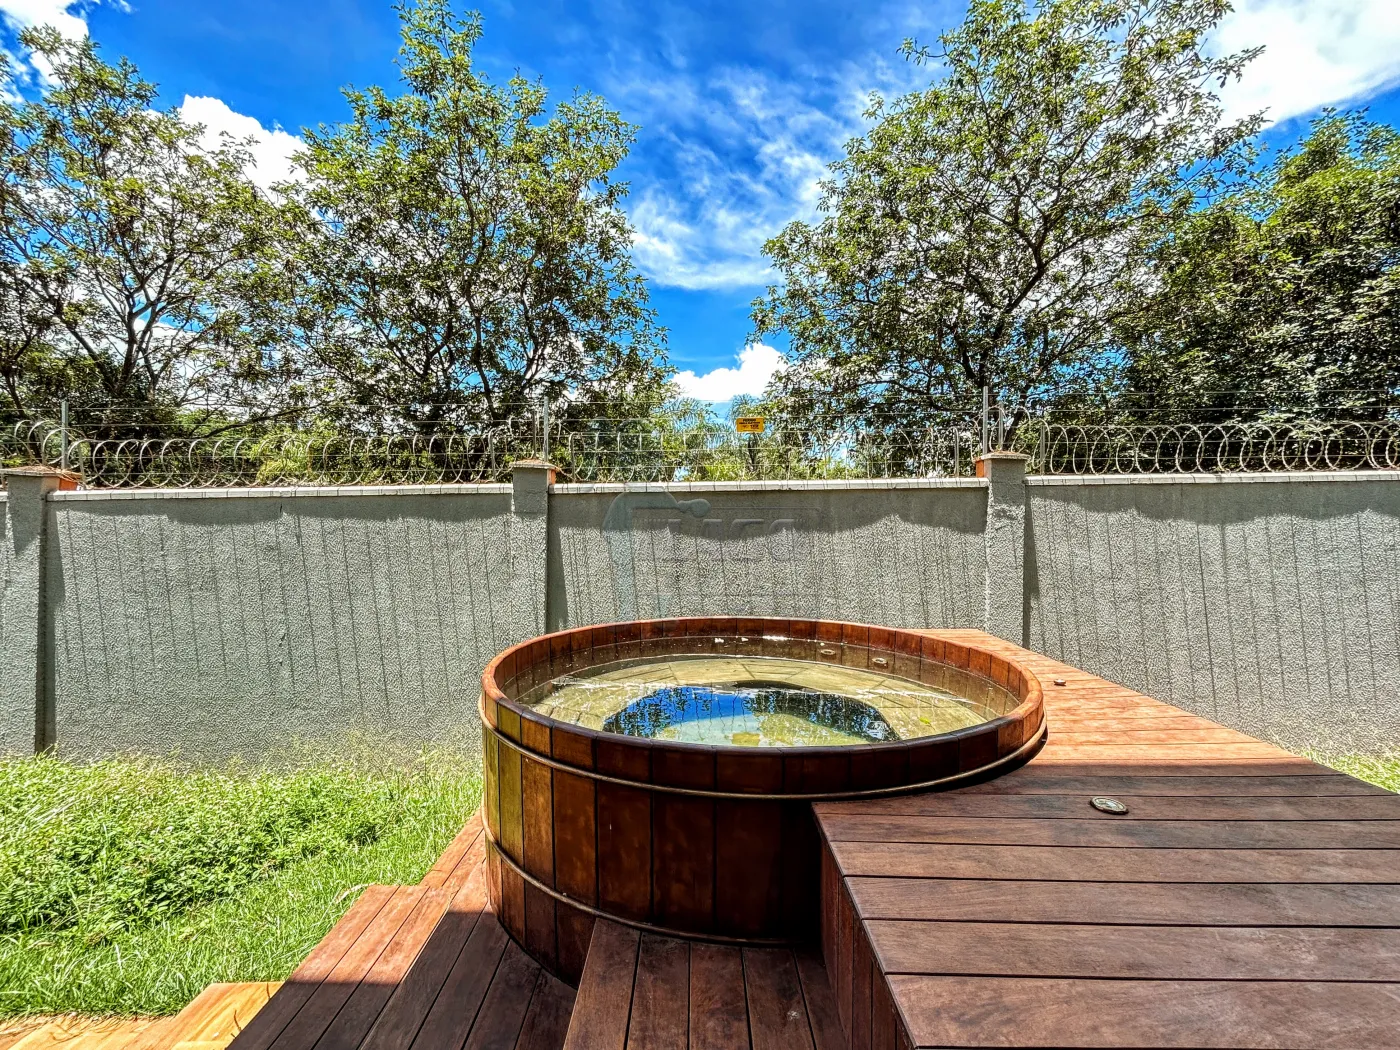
(754, 702)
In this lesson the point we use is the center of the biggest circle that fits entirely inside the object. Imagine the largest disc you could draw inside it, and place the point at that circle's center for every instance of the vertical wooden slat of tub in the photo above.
(977, 746)
(512, 914)
(907, 649)
(879, 766)
(802, 639)
(801, 891)
(575, 848)
(855, 645)
(748, 841)
(683, 839)
(932, 759)
(538, 846)
(508, 786)
(575, 932)
(624, 830)
(811, 771)
(490, 792)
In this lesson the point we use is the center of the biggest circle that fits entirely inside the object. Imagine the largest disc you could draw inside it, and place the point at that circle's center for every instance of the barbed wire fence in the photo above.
(658, 449)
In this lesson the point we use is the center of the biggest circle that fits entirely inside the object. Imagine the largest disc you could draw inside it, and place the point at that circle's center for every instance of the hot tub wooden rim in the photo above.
(1011, 759)
(575, 748)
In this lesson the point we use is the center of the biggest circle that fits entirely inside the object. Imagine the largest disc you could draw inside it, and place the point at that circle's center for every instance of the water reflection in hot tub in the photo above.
(755, 702)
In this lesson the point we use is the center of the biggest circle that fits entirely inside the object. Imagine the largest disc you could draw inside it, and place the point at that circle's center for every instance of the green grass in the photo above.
(127, 886)
(1383, 770)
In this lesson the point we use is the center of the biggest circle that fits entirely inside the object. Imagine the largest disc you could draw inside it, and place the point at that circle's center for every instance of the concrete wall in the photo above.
(907, 555)
(233, 621)
(1270, 603)
(236, 624)
(18, 638)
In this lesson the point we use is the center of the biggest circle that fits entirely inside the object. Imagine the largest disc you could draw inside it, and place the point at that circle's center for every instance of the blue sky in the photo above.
(740, 104)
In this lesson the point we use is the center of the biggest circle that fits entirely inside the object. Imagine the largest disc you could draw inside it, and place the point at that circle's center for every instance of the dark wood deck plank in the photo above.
(820, 1002)
(604, 1000)
(320, 1009)
(501, 1018)
(719, 1016)
(1147, 834)
(660, 995)
(459, 999)
(269, 1022)
(1034, 780)
(1041, 1012)
(467, 865)
(547, 1022)
(355, 1019)
(408, 1007)
(1146, 952)
(451, 857)
(1120, 864)
(777, 1011)
(1149, 808)
(1152, 904)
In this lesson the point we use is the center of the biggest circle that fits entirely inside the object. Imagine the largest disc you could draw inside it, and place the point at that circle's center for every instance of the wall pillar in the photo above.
(1004, 543)
(529, 546)
(26, 692)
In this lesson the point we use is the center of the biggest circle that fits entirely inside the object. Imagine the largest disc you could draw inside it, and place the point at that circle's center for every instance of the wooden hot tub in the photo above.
(704, 840)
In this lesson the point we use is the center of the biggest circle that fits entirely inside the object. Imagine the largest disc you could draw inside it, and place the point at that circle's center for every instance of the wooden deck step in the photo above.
(209, 1022)
(92, 1033)
(423, 967)
(641, 990)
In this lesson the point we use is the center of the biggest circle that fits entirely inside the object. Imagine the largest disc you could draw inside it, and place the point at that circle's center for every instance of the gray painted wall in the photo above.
(907, 556)
(232, 622)
(18, 639)
(1271, 604)
(233, 625)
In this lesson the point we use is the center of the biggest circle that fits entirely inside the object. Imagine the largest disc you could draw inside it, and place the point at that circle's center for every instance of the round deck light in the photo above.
(1108, 805)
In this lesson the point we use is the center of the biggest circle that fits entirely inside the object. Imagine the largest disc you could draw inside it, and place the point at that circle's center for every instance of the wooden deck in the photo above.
(645, 992)
(428, 967)
(423, 967)
(1248, 898)
(209, 1022)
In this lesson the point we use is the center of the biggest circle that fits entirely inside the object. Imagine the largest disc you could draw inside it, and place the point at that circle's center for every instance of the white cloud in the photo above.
(731, 157)
(67, 17)
(1316, 53)
(271, 149)
(757, 365)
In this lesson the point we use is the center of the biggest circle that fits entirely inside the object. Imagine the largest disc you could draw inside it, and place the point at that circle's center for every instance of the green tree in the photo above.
(992, 230)
(471, 251)
(136, 264)
(1282, 299)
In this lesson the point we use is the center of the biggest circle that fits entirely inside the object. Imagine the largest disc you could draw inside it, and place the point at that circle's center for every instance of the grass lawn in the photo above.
(1383, 771)
(127, 886)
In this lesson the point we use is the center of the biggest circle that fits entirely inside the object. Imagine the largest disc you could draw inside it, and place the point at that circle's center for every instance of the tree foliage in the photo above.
(992, 231)
(451, 250)
(1284, 297)
(469, 250)
(134, 262)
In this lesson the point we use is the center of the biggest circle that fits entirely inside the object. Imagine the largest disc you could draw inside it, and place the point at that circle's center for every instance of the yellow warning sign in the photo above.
(749, 424)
